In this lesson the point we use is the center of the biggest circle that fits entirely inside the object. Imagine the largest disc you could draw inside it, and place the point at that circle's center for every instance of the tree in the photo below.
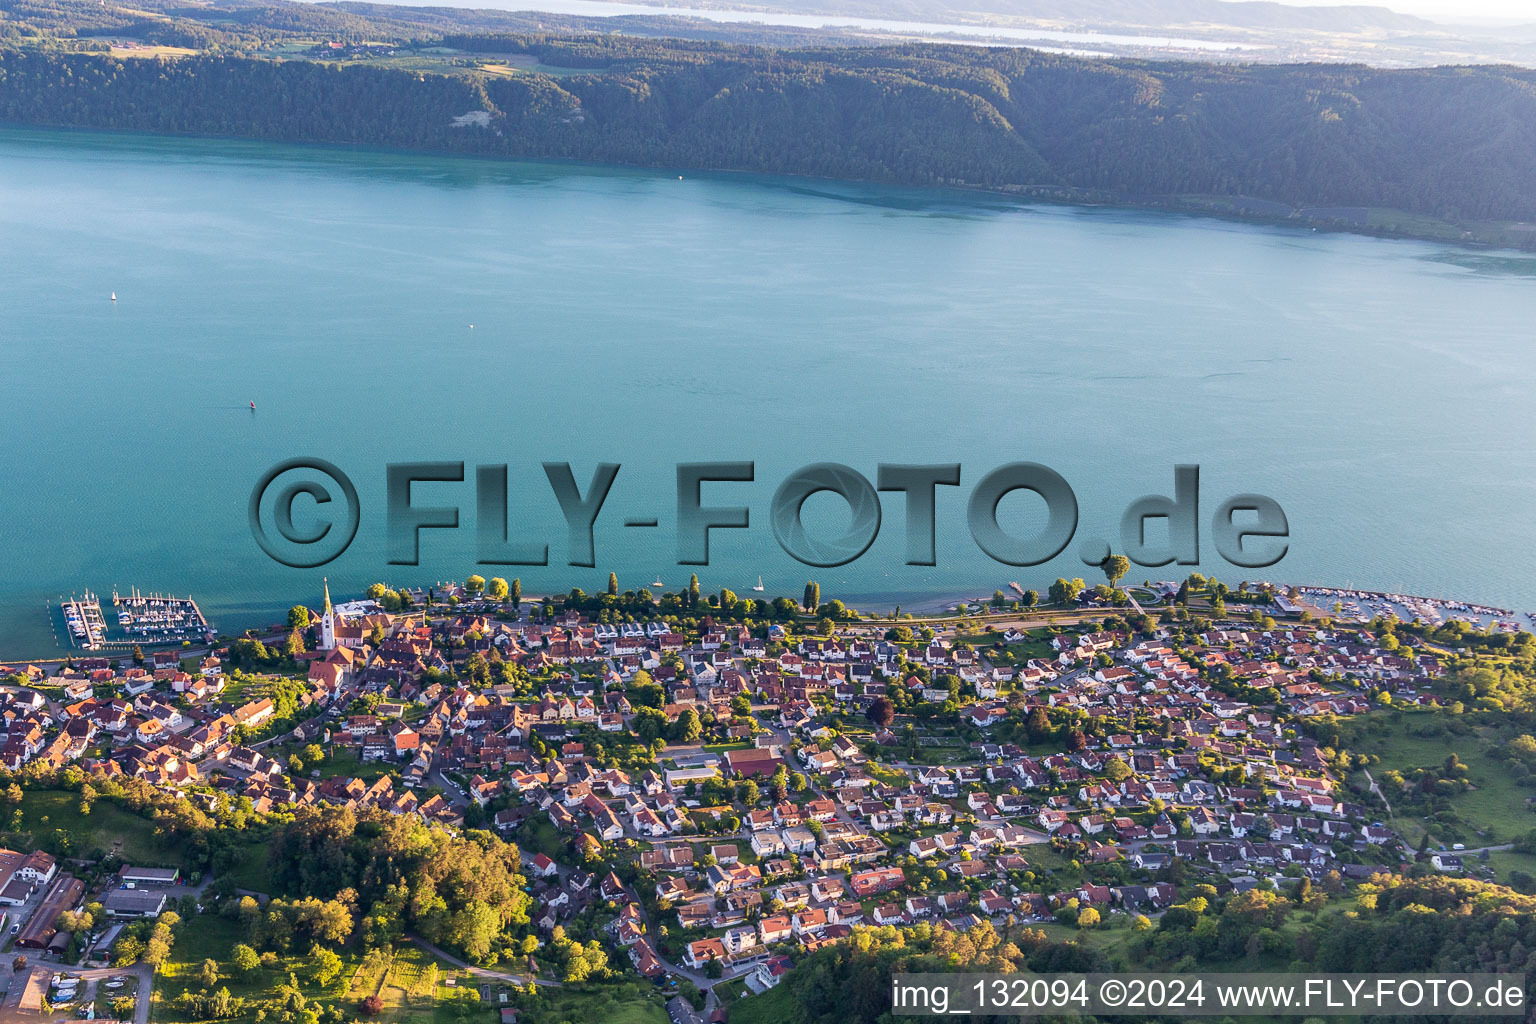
(244, 960)
(298, 617)
(648, 724)
(687, 728)
(881, 712)
(812, 598)
(371, 1006)
(294, 645)
(376, 591)
(517, 593)
(1031, 598)
(324, 965)
(1065, 591)
(496, 589)
(613, 584)
(474, 585)
(693, 591)
(1115, 566)
(208, 974)
(1087, 917)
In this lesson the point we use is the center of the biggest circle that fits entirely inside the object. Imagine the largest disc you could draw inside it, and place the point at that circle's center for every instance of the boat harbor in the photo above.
(141, 620)
(83, 623)
(160, 618)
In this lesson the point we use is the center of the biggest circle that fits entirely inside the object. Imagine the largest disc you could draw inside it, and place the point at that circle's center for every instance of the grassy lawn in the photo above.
(1496, 806)
(772, 1007)
(630, 1003)
(413, 986)
(539, 835)
(107, 827)
(412, 991)
(339, 761)
(202, 937)
(730, 991)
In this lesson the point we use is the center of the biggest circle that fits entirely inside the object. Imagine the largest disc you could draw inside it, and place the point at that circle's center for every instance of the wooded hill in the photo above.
(1454, 143)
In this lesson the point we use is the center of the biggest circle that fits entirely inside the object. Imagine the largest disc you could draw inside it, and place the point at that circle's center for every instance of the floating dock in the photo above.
(83, 623)
(159, 618)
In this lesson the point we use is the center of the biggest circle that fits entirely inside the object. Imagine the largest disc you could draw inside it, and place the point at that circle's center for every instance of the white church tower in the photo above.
(328, 622)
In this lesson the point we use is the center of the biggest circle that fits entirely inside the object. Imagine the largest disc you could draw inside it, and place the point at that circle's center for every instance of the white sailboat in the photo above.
(114, 296)
(658, 582)
(759, 587)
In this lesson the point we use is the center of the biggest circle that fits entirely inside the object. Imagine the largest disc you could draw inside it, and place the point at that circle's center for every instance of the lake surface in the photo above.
(1379, 390)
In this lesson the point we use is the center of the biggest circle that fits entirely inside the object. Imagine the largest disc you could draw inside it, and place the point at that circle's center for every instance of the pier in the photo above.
(83, 623)
(159, 619)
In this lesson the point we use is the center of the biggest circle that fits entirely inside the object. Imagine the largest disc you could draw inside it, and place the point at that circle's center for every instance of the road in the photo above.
(481, 972)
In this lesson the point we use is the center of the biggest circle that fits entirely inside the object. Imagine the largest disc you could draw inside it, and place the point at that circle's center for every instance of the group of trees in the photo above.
(849, 982)
(465, 892)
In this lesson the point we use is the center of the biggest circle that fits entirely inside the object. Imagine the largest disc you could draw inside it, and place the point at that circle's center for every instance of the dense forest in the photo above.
(1449, 143)
(464, 892)
(1324, 140)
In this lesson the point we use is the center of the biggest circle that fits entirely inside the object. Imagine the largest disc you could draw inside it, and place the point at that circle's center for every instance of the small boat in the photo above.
(253, 405)
(658, 582)
(114, 296)
(759, 587)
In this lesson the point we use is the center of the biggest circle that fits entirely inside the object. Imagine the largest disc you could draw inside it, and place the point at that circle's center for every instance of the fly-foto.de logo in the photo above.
(1248, 530)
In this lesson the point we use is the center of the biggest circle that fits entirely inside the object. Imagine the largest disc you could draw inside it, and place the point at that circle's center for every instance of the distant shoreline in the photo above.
(928, 606)
(1203, 207)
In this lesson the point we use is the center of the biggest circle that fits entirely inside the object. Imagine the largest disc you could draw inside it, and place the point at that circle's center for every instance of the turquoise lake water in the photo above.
(1379, 390)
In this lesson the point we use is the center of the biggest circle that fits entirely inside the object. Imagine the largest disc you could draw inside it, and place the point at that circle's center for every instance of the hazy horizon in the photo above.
(1440, 10)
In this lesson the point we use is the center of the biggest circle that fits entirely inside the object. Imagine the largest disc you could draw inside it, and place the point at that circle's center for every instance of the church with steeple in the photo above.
(328, 621)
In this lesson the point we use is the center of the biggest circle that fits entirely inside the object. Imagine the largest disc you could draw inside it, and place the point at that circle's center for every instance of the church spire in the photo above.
(327, 621)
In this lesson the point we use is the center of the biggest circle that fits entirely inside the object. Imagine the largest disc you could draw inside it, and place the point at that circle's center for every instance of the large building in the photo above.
(134, 903)
(755, 761)
(64, 894)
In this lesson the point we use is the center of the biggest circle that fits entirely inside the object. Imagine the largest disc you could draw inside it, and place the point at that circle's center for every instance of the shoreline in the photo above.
(1203, 207)
(938, 606)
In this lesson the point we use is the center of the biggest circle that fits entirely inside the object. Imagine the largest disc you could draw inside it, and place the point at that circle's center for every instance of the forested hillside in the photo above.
(1458, 144)
(1395, 924)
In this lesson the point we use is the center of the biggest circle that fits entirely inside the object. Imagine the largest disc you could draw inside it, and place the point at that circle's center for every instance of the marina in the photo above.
(83, 622)
(160, 618)
(142, 620)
